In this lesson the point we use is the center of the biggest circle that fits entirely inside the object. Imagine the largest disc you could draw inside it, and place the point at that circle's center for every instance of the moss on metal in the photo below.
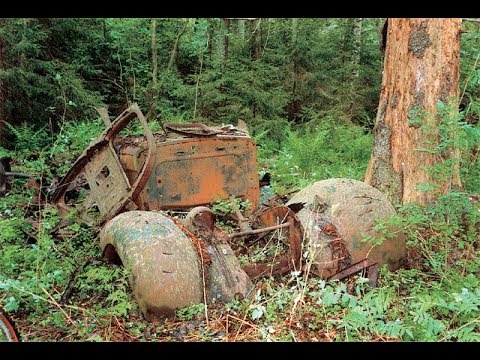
(165, 268)
(353, 208)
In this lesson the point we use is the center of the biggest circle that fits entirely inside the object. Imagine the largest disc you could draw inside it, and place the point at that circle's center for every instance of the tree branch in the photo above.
(175, 46)
(471, 19)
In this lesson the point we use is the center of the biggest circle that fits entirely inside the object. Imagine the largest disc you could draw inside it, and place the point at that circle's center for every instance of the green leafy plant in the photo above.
(319, 153)
(191, 312)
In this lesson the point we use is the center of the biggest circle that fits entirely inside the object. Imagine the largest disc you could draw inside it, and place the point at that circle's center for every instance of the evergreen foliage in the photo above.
(308, 90)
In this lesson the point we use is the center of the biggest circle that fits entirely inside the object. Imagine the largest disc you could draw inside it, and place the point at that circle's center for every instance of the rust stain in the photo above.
(195, 171)
(368, 265)
(292, 260)
(192, 165)
(110, 190)
(163, 260)
(353, 210)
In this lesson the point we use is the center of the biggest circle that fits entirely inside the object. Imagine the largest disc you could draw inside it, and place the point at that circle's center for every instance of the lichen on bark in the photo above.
(421, 68)
(394, 100)
(384, 177)
(416, 109)
(419, 42)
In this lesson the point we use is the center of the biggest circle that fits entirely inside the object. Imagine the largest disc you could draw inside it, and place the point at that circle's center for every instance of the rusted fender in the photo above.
(225, 277)
(351, 206)
(165, 267)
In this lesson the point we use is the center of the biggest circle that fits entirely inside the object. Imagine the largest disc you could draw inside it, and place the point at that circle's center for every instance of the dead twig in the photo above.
(68, 291)
(60, 307)
(259, 231)
(243, 321)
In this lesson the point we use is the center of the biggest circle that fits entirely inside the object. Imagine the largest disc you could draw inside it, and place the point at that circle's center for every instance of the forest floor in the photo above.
(291, 307)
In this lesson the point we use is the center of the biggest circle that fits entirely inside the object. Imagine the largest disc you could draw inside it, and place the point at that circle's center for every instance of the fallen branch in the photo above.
(259, 231)
(68, 291)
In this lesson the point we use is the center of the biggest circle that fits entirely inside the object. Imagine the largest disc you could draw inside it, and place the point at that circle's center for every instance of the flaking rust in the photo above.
(336, 213)
(109, 190)
(279, 217)
(190, 166)
(163, 262)
(194, 168)
(169, 268)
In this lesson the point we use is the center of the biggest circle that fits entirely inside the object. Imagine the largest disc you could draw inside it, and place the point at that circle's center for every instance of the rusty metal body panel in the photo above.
(194, 171)
(225, 278)
(274, 218)
(165, 267)
(110, 189)
(334, 214)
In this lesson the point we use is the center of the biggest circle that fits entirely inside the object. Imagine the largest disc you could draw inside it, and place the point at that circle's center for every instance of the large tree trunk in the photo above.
(421, 68)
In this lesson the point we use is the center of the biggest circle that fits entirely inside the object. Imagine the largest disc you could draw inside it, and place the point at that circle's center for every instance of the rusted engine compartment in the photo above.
(181, 162)
(129, 179)
(190, 165)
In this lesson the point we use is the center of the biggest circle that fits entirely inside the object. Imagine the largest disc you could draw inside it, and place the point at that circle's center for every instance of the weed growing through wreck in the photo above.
(230, 205)
(225, 208)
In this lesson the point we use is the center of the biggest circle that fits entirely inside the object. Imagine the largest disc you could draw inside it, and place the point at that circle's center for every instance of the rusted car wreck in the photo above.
(131, 184)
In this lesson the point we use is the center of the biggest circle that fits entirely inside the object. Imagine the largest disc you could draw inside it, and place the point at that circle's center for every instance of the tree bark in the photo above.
(154, 52)
(294, 30)
(173, 55)
(23, 54)
(357, 45)
(152, 93)
(294, 104)
(225, 41)
(257, 38)
(3, 111)
(241, 28)
(218, 40)
(346, 48)
(421, 68)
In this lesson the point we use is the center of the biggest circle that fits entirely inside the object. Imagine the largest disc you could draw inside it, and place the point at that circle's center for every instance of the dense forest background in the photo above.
(276, 74)
(284, 70)
(308, 89)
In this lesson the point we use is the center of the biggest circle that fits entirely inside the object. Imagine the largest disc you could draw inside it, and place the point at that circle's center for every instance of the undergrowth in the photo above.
(434, 298)
(318, 152)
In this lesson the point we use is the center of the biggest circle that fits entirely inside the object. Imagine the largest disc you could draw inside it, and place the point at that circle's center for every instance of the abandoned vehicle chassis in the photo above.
(131, 179)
